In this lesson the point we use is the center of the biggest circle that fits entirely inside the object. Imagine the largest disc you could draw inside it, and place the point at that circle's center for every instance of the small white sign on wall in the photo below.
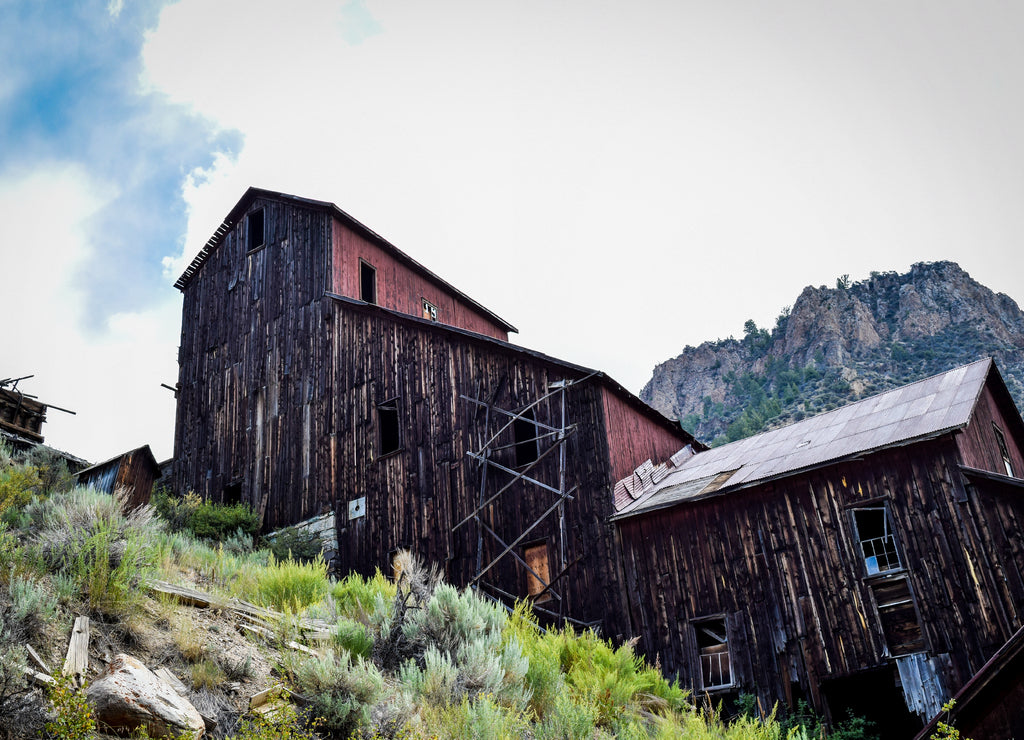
(357, 508)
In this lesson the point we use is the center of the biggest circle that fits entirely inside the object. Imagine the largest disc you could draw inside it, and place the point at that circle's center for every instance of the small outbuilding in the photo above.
(134, 471)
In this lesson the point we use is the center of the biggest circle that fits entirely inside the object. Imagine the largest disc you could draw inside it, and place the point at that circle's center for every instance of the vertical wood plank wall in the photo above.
(782, 563)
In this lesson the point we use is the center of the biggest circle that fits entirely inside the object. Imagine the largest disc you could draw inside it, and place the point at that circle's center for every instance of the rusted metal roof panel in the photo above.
(929, 407)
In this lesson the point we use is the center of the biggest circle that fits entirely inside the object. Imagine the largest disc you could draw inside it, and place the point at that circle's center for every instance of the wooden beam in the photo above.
(76, 664)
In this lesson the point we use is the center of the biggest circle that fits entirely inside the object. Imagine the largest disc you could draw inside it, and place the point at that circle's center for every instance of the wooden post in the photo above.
(76, 664)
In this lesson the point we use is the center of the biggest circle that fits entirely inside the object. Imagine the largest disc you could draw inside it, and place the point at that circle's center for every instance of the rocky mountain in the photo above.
(840, 344)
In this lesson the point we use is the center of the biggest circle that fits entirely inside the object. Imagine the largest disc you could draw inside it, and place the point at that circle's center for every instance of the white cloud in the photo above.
(111, 381)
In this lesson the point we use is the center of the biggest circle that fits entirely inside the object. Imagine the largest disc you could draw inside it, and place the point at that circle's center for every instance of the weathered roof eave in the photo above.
(231, 220)
(726, 490)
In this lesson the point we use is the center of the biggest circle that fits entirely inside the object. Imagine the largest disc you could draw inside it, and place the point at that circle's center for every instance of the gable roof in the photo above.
(231, 220)
(925, 409)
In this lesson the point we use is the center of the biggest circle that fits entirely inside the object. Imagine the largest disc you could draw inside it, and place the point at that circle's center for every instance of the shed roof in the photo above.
(231, 220)
(920, 410)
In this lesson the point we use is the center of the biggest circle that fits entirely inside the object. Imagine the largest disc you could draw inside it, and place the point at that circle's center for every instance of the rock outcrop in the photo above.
(838, 344)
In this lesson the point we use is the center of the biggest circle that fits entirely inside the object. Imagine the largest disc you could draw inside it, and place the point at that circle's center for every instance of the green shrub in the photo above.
(481, 718)
(341, 691)
(219, 522)
(355, 596)
(18, 484)
(13, 660)
(290, 586)
(74, 719)
(283, 724)
(52, 468)
(353, 637)
(291, 542)
(32, 606)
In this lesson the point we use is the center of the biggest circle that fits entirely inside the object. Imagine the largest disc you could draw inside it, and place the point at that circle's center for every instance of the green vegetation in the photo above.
(416, 658)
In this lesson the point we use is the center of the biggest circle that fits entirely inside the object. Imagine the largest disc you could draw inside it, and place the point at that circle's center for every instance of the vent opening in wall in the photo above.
(387, 421)
(254, 229)
(524, 429)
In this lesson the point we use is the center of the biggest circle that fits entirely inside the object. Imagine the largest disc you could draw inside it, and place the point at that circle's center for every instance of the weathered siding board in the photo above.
(398, 287)
(978, 442)
(783, 560)
(632, 437)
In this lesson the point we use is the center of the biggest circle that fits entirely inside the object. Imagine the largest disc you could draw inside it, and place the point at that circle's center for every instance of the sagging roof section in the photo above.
(920, 410)
(231, 220)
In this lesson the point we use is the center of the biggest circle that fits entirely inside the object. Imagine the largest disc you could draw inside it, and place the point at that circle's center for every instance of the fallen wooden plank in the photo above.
(302, 648)
(37, 660)
(262, 697)
(76, 664)
(183, 595)
(39, 679)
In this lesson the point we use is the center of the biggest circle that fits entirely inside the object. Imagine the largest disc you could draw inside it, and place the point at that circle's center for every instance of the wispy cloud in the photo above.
(73, 96)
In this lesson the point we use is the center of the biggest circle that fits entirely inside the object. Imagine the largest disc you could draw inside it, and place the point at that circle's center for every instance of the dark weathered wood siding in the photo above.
(782, 562)
(634, 437)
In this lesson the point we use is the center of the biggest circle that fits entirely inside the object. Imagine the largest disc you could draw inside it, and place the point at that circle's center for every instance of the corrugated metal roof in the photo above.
(928, 407)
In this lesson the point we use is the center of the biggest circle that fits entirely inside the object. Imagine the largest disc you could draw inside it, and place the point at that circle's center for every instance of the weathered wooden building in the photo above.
(132, 472)
(21, 416)
(322, 369)
(867, 558)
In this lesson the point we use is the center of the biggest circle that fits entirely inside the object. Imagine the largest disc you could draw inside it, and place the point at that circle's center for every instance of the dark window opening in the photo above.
(896, 611)
(713, 648)
(1001, 441)
(877, 543)
(524, 429)
(429, 310)
(536, 557)
(387, 421)
(367, 282)
(233, 493)
(255, 234)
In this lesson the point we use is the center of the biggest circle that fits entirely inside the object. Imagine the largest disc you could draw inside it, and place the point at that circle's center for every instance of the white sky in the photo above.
(618, 180)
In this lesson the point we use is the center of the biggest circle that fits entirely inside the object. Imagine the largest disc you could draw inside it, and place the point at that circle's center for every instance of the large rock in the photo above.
(128, 695)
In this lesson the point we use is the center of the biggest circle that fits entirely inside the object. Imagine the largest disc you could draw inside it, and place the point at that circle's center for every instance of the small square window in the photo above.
(429, 310)
(877, 543)
(713, 649)
(255, 233)
(367, 282)
(388, 427)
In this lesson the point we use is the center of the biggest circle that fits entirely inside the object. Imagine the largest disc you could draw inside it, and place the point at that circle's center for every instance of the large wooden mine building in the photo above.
(868, 558)
(322, 369)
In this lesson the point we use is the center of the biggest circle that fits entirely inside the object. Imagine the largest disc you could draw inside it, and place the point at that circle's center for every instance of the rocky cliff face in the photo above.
(840, 344)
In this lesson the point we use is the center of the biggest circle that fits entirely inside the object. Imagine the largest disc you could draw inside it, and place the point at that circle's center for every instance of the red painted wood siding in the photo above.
(978, 443)
(399, 287)
(633, 437)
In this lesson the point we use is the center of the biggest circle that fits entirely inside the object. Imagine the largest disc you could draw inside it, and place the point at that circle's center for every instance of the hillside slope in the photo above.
(837, 345)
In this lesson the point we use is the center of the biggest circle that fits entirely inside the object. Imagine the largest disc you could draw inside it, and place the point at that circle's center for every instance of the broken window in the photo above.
(429, 310)
(255, 233)
(524, 429)
(877, 543)
(536, 557)
(1001, 441)
(387, 424)
(367, 282)
(900, 625)
(713, 649)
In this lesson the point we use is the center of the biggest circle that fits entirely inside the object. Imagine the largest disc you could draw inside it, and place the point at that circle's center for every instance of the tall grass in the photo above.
(289, 586)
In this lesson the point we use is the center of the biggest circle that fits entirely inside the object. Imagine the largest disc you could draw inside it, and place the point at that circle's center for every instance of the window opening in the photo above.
(233, 493)
(255, 233)
(387, 422)
(1001, 441)
(367, 282)
(877, 543)
(713, 647)
(536, 557)
(898, 616)
(429, 310)
(527, 444)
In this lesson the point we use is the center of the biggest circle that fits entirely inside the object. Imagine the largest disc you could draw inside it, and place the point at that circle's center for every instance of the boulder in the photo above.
(127, 695)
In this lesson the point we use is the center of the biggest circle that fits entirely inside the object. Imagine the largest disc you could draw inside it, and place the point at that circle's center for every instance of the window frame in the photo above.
(707, 651)
(250, 222)
(384, 431)
(1004, 451)
(538, 587)
(889, 532)
(526, 449)
(430, 311)
(367, 269)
